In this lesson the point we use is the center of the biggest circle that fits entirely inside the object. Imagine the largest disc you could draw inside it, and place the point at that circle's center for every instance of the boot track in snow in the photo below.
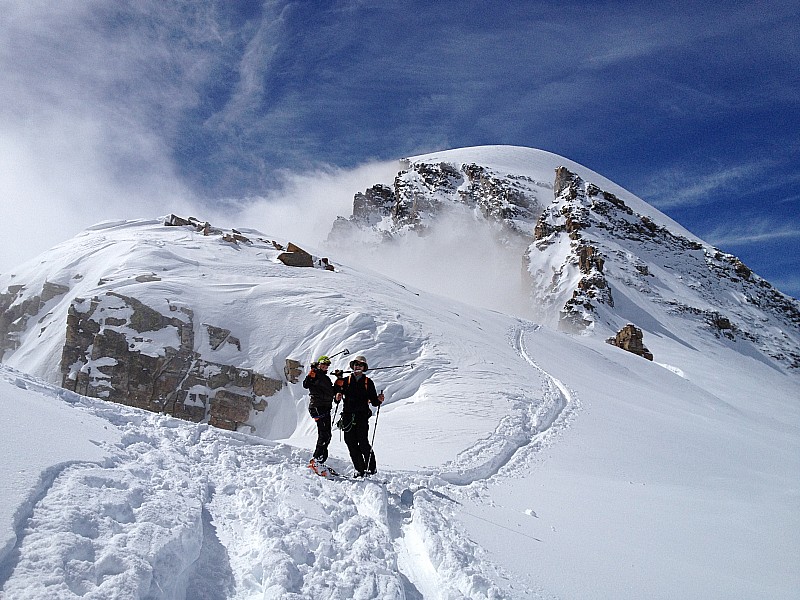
(178, 507)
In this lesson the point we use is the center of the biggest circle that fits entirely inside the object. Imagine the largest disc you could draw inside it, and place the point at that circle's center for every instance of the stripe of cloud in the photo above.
(676, 187)
(757, 231)
(648, 30)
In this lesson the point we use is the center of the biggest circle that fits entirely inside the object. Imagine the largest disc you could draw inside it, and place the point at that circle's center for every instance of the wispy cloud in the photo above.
(757, 231)
(632, 35)
(304, 206)
(89, 102)
(677, 187)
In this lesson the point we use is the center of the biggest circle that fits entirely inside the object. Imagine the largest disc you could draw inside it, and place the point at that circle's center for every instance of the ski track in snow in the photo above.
(519, 437)
(190, 511)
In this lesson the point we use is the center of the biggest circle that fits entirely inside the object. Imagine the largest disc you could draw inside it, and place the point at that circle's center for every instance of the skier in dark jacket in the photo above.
(322, 393)
(358, 392)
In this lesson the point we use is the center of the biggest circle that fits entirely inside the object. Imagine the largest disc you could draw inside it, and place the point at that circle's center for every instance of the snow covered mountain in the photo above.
(521, 461)
(595, 256)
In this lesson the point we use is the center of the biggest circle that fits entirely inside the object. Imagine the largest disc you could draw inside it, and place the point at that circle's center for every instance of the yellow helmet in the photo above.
(324, 360)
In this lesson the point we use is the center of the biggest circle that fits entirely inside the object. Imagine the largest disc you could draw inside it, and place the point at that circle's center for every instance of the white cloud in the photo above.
(753, 232)
(306, 204)
(688, 187)
(56, 180)
(85, 118)
(461, 255)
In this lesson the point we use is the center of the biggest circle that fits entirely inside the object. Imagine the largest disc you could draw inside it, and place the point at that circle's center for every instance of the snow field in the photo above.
(660, 473)
(176, 510)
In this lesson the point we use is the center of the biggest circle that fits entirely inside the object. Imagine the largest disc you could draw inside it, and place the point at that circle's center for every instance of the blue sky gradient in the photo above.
(693, 106)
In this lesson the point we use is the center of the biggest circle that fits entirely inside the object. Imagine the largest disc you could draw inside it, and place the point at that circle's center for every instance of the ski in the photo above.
(323, 470)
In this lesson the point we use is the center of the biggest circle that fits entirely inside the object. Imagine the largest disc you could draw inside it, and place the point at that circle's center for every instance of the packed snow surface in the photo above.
(615, 478)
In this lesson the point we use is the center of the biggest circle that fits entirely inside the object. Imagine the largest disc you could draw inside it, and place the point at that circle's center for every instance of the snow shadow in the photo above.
(212, 576)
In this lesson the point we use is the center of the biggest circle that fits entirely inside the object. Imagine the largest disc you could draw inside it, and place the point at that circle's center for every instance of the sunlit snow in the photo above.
(514, 461)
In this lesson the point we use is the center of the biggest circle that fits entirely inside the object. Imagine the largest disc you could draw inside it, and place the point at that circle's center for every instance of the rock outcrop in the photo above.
(590, 247)
(581, 268)
(422, 190)
(119, 349)
(631, 338)
(16, 309)
(294, 256)
(125, 342)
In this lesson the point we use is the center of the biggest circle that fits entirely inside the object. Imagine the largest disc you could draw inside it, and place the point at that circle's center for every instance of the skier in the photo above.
(358, 392)
(322, 391)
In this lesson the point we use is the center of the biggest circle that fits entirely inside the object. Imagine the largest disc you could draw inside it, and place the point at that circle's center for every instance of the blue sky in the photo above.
(157, 107)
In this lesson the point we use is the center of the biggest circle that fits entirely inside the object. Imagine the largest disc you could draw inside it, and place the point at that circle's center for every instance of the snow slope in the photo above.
(280, 312)
(595, 474)
(519, 462)
(628, 481)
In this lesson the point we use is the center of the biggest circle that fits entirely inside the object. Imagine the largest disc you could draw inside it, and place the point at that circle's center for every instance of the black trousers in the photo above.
(357, 440)
(323, 436)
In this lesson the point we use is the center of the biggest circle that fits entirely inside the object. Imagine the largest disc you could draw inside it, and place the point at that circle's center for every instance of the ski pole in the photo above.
(333, 420)
(381, 368)
(375, 429)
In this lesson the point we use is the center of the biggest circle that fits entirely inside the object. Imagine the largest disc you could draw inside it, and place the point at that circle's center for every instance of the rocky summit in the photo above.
(597, 257)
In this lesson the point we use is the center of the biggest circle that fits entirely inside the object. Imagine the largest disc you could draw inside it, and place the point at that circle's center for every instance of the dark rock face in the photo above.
(115, 349)
(16, 311)
(571, 216)
(377, 202)
(630, 338)
(422, 190)
(501, 199)
(297, 257)
(293, 370)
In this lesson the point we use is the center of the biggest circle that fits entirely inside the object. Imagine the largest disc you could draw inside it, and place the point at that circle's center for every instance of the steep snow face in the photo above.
(598, 264)
(593, 256)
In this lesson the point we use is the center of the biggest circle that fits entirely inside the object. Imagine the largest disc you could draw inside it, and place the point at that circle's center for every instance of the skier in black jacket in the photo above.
(322, 393)
(358, 392)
